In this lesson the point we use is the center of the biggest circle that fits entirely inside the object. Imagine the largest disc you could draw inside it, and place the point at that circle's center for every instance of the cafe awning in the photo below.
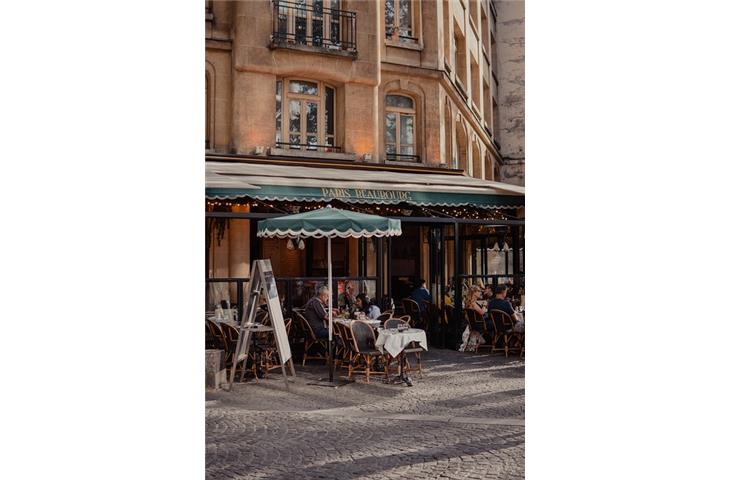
(228, 180)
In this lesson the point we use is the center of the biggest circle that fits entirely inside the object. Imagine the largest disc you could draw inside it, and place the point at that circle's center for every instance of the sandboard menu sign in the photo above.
(262, 283)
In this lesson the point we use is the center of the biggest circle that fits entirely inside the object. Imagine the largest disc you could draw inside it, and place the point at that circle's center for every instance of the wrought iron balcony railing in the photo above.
(309, 146)
(309, 23)
(396, 157)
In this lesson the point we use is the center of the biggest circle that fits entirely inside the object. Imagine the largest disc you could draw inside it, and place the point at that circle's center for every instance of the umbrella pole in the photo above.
(329, 285)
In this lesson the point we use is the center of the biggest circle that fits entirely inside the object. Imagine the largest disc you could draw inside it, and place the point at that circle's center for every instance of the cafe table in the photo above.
(393, 341)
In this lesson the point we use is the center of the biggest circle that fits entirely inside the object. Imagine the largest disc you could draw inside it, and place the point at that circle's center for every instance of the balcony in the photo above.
(309, 26)
(396, 157)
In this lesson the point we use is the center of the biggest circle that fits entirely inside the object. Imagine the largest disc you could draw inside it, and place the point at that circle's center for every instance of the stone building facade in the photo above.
(436, 83)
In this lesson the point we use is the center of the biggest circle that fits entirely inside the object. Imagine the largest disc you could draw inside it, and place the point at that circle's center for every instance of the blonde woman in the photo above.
(472, 295)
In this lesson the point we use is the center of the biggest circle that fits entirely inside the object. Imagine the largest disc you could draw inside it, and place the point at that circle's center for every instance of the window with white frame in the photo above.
(305, 114)
(400, 128)
(401, 20)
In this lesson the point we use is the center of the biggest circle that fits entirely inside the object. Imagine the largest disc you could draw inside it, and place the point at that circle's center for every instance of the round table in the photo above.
(394, 342)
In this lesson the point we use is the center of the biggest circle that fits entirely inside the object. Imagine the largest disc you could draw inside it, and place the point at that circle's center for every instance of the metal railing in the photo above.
(293, 291)
(309, 23)
(397, 157)
(309, 146)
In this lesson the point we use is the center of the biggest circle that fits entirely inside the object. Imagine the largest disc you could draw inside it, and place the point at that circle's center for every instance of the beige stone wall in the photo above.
(244, 70)
(511, 68)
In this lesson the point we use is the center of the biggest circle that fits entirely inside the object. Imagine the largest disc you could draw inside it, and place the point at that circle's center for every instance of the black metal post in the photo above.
(455, 326)
(516, 280)
(379, 269)
(239, 299)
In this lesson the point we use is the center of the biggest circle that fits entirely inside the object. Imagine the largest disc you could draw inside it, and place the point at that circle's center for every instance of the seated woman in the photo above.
(472, 295)
(370, 309)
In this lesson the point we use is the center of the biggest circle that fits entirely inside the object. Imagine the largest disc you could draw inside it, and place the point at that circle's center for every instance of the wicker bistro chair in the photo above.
(385, 316)
(364, 351)
(411, 308)
(475, 320)
(435, 323)
(503, 326)
(405, 318)
(393, 323)
(343, 346)
(270, 359)
(213, 336)
(311, 342)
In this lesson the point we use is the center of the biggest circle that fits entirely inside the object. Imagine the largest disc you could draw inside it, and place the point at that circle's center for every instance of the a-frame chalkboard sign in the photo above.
(262, 283)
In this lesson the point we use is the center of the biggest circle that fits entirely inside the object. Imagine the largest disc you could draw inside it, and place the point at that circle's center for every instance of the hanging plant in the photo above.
(217, 227)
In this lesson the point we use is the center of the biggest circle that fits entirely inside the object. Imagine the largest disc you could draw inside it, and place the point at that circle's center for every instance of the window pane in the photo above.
(405, 18)
(389, 15)
(278, 110)
(300, 29)
(406, 130)
(299, 86)
(398, 101)
(283, 24)
(295, 139)
(329, 110)
(334, 22)
(390, 128)
(294, 116)
(317, 32)
(389, 148)
(312, 109)
(311, 140)
(406, 150)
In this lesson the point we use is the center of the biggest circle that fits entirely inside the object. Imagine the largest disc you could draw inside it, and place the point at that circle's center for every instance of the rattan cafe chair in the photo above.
(365, 353)
(311, 342)
(503, 334)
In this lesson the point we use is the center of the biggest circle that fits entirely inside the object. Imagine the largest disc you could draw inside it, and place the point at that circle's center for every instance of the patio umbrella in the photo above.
(328, 223)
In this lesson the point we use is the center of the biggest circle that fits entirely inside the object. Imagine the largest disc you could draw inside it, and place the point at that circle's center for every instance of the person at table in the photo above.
(363, 303)
(315, 312)
(487, 293)
(472, 296)
(500, 302)
(346, 299)
(421, 294)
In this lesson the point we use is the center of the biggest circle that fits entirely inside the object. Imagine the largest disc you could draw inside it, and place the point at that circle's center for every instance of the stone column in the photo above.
(254, 125)
(361, 125)
(239, 248)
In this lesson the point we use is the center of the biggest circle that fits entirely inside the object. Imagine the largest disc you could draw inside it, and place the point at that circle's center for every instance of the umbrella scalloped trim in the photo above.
(289, 233)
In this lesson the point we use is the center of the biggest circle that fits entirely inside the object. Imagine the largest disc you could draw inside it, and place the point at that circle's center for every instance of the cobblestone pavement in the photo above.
(463, 419)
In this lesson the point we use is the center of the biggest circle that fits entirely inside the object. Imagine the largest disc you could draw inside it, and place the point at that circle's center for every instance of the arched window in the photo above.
(461, 145)
(448, 142)
(488, 170)
(207, 112)
(400, 128)
(305, 114)
(476, 170)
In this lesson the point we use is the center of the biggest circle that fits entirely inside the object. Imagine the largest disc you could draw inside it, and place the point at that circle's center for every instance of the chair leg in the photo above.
(418, 362)
(368, 361)
(506, 347)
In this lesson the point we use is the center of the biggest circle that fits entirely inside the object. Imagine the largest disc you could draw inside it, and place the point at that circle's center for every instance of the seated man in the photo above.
(316, 314)
(500, 302)
(421, 294)
(346, 299)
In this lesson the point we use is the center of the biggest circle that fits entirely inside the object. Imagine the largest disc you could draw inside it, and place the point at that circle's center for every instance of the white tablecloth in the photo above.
(347, 322)
(394, 342)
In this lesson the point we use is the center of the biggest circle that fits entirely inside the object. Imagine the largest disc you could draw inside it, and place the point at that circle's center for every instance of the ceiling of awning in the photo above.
(225, 180)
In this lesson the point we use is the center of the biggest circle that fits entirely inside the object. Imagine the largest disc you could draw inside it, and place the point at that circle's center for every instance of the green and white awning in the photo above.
(226, 181)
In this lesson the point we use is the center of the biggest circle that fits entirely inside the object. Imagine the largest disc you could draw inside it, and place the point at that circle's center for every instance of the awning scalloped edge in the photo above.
(288, 233)
(366, 201)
